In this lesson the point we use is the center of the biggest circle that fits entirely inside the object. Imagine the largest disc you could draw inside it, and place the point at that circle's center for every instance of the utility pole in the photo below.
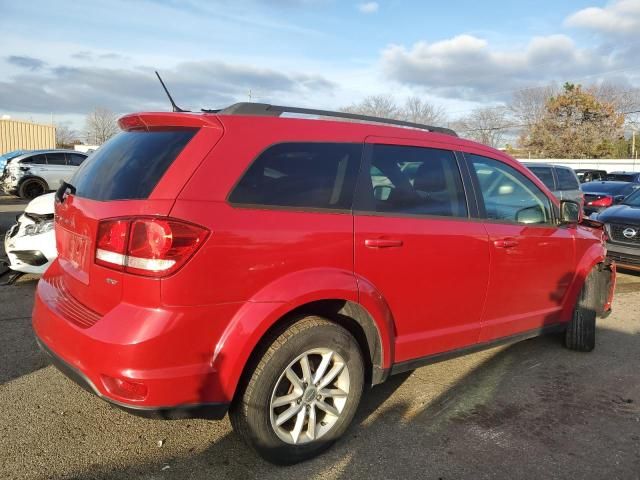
(249, 95)
(633, 144)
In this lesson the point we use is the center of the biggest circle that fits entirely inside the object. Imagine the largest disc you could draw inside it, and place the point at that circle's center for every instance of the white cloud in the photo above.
(78, 89)
(619, 17)
(468, 67)
(368, 7)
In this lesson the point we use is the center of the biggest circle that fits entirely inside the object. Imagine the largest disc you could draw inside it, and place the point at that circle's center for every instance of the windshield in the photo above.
(633, 200)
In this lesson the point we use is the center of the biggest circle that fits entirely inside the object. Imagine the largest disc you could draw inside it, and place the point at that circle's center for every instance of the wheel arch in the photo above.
(591, 259)
(257, 323)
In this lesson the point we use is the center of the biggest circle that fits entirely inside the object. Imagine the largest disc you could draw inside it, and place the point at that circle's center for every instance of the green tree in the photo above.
(576, 124)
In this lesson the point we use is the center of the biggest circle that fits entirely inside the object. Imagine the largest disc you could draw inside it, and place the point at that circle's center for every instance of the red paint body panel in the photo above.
(416, 279)
(437, 285)
(529, 281)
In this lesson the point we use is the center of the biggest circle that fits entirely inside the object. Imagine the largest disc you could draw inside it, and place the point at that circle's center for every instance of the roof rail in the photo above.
(264, 109)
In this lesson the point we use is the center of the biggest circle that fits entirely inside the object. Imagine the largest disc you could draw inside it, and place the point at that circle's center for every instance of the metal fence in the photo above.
(19, 135)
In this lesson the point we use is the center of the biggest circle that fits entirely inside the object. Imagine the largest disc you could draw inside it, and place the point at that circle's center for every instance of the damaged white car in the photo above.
(30, 244)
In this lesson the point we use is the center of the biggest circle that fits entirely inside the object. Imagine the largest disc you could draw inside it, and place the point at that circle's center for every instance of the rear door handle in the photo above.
(505, 243)
(382, 243)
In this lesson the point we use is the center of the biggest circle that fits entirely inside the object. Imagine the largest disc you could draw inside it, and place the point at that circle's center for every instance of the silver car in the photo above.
(562, 181)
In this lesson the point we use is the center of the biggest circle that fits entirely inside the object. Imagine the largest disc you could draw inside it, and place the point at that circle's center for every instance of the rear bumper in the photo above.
(214, 411)
(166, 352)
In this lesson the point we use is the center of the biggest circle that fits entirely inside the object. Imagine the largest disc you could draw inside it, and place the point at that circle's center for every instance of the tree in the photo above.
(486, 125)
(528, 105)
(66, 137)
(376, 106)
(576, 124)
(101, 126)
(417, 110)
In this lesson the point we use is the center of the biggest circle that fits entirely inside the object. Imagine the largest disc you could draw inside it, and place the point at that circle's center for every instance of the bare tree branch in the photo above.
(485, 125)
(418, 111)
(100, 126)
(66, 137)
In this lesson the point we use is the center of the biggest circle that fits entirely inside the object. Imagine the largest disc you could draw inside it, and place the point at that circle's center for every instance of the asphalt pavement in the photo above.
(529, 410)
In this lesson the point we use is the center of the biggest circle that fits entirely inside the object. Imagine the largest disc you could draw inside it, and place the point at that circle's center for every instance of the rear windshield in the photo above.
(546, 175)
(608, 188)
(130, 165)
(566, 179)
(621, 177)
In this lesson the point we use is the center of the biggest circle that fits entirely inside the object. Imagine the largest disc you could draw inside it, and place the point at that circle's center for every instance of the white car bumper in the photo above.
(29, 253)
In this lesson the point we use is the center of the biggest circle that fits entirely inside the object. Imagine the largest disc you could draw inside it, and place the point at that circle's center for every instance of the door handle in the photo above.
(382, 243)
(505, 243)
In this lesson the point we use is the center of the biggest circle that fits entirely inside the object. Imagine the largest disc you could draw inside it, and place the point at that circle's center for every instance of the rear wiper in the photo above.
(64, 190)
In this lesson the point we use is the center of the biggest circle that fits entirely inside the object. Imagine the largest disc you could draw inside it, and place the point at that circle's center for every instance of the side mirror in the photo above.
(570, 212)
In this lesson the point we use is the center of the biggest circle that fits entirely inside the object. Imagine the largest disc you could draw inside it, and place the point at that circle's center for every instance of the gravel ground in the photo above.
(530, 410)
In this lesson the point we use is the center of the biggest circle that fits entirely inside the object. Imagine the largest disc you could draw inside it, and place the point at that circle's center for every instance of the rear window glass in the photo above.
(56, 159)
(301, 175)
(545, 174)
(621, 177)
(75, 159)
(608, 188)
(566, 179)
(130, 165)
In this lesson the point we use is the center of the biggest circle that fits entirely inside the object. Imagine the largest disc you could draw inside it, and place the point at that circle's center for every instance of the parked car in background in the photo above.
(622, 223)
(589, 175)
(30, 244)
(223, 261)
(562, 181)
(601, 195)
(34, 173)
(4, 158)
(623, 177)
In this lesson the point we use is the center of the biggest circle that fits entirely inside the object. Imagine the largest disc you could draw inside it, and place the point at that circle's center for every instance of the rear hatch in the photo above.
(136, 174)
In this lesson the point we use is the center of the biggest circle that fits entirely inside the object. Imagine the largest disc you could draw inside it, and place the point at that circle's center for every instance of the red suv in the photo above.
(274, 267)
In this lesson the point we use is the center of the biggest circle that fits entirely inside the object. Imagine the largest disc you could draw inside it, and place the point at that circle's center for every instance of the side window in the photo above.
(546, 175)
(56, 159)
(416, 180)
(35, 160)
(566, 179)
(302, 175)
(508, 195)
(75, 159)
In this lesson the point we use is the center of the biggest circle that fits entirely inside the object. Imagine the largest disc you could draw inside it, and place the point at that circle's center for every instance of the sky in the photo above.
(59, 60)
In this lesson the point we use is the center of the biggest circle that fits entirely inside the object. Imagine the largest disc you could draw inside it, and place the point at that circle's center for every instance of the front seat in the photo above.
(431, 181)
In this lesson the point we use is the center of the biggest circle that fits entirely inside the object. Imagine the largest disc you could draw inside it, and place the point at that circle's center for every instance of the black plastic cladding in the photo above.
(264, 109)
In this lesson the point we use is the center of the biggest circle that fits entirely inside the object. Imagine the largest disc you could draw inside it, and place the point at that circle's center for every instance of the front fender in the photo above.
(594, 255)
(255, 317)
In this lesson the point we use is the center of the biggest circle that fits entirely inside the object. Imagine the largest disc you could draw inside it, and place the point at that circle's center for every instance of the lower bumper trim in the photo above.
(211, 411)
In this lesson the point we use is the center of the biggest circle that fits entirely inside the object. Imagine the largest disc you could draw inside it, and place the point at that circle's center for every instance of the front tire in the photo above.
(303, 392)
(581, 331)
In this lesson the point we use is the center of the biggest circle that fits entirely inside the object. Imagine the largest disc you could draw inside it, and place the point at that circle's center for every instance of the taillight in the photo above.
(602, 202)
(111, 245)
(153, 247)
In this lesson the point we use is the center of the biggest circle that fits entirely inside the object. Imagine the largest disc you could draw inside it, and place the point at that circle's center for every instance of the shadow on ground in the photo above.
(530, 410)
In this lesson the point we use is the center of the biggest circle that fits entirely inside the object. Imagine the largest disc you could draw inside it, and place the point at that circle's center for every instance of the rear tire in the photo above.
(286, 410)
(32, 188)
(581, 331)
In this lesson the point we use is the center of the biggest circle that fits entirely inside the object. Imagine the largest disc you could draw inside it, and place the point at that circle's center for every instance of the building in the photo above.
(21, 135)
